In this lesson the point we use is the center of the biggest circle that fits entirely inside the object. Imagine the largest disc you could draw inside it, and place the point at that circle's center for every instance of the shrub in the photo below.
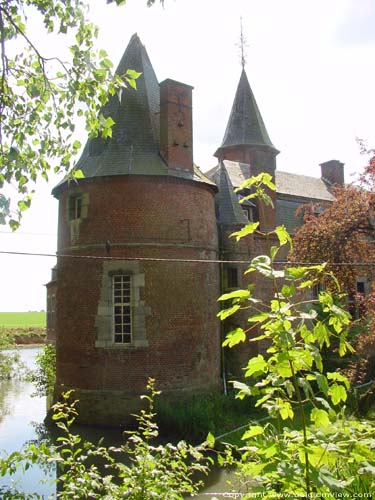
(310, 446)
(44, 376)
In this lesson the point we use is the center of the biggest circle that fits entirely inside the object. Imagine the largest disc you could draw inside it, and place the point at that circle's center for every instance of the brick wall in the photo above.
(141, 217)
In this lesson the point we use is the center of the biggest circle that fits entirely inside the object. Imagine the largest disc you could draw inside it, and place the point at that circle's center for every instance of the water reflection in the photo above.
(21, 423)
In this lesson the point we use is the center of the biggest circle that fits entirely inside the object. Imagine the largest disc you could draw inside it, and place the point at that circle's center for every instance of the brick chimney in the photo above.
(333, 172)
(176, 125)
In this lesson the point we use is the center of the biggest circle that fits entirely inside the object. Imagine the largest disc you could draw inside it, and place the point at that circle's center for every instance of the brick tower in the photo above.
(246, 150)
(131, 300)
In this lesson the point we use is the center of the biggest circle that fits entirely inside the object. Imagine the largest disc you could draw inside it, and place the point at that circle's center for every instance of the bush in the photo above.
(44, 376)
(152, 471)
(9, 358)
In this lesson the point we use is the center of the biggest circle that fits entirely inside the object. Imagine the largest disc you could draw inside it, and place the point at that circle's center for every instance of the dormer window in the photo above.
(248, 213)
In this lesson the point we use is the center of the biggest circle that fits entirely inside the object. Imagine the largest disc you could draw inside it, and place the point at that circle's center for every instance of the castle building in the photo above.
(141, 238)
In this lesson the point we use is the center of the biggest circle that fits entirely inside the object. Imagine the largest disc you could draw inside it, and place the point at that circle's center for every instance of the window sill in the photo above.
(127, 347)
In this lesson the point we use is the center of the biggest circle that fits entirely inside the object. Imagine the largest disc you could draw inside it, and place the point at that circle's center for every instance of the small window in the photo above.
(320, 287)
(248, 213)
(232, 277)
(75, 207)
(361, 287)
(122, 317)
(51, 312)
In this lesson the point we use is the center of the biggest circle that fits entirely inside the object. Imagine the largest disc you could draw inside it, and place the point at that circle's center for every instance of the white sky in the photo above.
(310, 64)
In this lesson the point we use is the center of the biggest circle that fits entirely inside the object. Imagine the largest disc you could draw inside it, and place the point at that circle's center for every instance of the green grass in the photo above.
(33, 319)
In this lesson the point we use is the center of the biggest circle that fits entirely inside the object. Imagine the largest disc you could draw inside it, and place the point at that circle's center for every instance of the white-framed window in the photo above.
(122, 308)
(121, 317)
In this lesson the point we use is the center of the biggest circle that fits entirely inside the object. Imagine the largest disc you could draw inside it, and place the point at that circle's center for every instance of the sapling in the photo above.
(309, 445)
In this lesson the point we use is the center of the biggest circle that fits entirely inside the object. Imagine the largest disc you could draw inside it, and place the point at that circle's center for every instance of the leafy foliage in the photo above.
(151, 471)
(342, 232)
(41, 97)
(309, 445)
(44, 376)
(10, 363)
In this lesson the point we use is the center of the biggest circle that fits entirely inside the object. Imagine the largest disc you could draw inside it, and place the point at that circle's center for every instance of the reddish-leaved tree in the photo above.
(342, 234)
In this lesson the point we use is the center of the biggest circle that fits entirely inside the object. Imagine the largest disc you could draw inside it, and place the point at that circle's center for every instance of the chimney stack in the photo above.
(176, 125)
(333, 172)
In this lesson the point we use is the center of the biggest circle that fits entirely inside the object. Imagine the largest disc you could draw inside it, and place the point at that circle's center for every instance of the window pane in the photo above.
(232, 277)
(122, 308)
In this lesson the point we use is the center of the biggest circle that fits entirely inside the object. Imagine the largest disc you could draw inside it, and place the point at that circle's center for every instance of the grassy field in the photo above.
(32, 319)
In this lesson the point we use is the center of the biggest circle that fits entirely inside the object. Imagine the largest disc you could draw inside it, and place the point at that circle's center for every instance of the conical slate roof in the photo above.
(134, 146)
(245, 125)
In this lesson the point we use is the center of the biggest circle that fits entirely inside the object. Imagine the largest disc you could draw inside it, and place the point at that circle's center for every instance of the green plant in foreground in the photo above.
(309, 446)
(44, 376)
(10, 364)
(150, 471)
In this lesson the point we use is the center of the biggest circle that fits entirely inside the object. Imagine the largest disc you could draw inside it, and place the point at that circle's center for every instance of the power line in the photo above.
(198, 261)
(27, 233)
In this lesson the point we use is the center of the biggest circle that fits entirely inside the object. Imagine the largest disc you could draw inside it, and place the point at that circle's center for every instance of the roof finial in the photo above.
(242, 46)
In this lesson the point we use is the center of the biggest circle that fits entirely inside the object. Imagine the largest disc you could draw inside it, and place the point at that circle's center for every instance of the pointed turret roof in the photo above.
(245, 126)
(134, 146)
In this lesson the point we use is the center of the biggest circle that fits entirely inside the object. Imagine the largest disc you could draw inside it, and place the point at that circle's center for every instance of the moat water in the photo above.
(21, 422)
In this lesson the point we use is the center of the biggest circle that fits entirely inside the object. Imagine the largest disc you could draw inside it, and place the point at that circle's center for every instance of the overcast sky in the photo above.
(310, 64)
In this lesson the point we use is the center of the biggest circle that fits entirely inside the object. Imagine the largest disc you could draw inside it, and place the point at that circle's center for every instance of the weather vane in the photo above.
(242, 46)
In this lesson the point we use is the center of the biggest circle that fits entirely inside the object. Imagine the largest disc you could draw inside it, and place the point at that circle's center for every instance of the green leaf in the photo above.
(78, 174)
(109, 122)
(288, 291)
(283, 235)
(282, 366)
(256, 366)
(131, 73)
(285, 409)
(13, 154)
(266, 199)
(322, 383)
(237, 294)
(210, 440)
(258, 318)
(273, 252)
(245, 231)
(338, 377)
(254, 430)
(262, 263)
(302, 271)
(234, 337)
(132, 83)
(344, 347)
(258, 180)
(225, 313)
(320, 418)
(242, 387)
(337, 393)
(322, 334)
